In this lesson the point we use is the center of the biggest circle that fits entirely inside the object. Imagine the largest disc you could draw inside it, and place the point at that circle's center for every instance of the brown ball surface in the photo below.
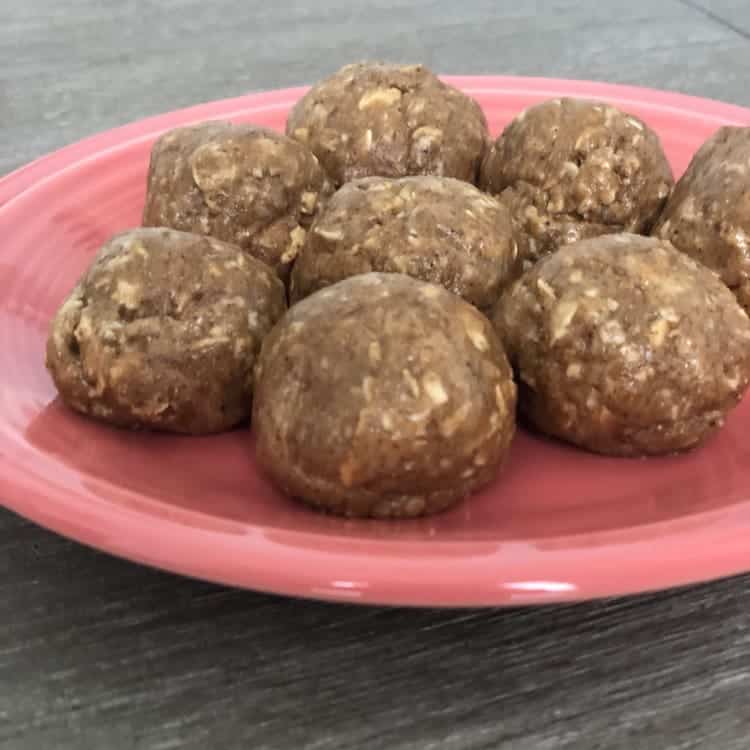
(571, 169)
(241, 184)
(383, 396)
(372, 119)
(436, 229)
(162, 332)
(708, 214)
(625, 346)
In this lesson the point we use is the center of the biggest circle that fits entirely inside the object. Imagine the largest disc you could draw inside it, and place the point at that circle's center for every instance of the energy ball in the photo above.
(708, 214)
(371, 119)
(435, 229)
(162, 332)
(237, 183)
(625, 346)
(383, 396)
(570, 169)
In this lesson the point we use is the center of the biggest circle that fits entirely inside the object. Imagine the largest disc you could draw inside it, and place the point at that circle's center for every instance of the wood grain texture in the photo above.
(98, 653)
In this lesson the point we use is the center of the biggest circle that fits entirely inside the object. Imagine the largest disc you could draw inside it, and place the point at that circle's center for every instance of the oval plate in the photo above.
(557, 525)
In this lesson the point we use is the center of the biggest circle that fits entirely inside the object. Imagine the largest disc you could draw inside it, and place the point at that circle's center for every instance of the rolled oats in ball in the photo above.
(569, 169)
(373, 119)
(436, 229)
(708, 214)
(241, 184)
(625, 346)
(162, 332)
(383, 396)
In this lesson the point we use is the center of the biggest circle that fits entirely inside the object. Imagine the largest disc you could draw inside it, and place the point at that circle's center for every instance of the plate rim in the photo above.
(400, 575)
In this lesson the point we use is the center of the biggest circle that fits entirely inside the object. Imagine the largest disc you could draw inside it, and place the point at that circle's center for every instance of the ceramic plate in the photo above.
(559, 524)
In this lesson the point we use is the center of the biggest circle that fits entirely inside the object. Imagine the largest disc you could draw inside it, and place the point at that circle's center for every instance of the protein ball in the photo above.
(162, 332)
(625, 346)
(436, 229)
(238, 183)
(371, 119)
(708, 215)
(383, 396)
(570, 169)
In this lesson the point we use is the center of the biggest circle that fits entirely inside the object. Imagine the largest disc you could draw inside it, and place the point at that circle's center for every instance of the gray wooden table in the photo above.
(103, 654)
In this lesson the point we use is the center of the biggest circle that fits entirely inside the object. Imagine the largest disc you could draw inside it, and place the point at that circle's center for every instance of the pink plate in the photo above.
(557, 525)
